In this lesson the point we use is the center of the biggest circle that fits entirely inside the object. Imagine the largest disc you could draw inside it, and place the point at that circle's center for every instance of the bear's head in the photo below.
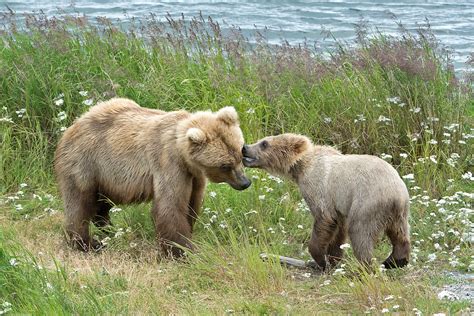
(212, 143)
(276, 154)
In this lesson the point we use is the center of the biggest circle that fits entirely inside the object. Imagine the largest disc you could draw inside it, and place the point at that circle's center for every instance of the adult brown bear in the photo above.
(124, 153)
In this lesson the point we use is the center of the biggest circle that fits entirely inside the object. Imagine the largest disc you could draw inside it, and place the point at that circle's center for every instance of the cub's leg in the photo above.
(363, 234)
(79, 207)
(399, 234)
(195, 203)
(335, 253)
(323, 233)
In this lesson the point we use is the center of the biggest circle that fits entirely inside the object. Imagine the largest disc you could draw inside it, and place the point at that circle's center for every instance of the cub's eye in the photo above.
(264, 144)
(225, 168)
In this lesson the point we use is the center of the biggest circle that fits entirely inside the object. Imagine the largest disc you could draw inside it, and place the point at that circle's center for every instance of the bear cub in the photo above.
(123, 153)
(357, 195)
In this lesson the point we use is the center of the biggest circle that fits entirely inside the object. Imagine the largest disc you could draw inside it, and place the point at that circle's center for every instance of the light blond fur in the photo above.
(359, 195)
(125, 153)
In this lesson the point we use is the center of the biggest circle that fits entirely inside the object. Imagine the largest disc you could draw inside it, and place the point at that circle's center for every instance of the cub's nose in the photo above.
(244, 149)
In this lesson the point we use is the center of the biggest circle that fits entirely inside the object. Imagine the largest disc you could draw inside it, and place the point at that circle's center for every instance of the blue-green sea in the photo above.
(294, 20)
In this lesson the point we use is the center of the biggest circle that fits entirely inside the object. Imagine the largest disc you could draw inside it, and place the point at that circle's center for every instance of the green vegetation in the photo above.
(394, 97)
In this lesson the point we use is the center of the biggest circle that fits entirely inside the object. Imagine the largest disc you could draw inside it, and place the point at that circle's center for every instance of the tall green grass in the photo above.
(386, 95)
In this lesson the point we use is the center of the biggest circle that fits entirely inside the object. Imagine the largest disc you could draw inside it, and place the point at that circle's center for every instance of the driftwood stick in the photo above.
(287, 261)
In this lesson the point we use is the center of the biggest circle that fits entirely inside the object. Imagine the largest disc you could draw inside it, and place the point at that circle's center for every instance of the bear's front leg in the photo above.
(170, 215)
(195, 203)
(321, 237)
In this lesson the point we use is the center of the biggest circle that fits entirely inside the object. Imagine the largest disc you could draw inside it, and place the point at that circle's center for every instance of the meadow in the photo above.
(396, 97)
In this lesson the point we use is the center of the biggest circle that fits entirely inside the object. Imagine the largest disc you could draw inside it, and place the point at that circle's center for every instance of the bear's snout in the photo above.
(245, 149)
(249, 156)
(244, 185)
(242, 182)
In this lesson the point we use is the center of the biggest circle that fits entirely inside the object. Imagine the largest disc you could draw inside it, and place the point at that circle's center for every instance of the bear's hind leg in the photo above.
(363, 235)
(398, 233)
(102, 217)
(80, 206)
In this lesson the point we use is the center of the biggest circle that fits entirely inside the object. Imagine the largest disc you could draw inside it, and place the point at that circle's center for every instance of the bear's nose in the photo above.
(244, 149)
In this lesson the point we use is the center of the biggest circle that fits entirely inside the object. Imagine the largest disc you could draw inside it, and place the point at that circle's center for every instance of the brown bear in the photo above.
(124, 153)
(360, 195)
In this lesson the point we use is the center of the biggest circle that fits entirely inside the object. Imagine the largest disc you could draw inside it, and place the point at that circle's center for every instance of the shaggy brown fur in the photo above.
(359, 195)
(124, 153)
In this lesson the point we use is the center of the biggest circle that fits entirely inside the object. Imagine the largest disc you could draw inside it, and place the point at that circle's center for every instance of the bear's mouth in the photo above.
(249, 161)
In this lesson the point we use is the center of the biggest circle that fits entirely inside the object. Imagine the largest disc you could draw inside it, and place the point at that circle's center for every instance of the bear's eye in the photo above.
(225, 168)
(264, 144)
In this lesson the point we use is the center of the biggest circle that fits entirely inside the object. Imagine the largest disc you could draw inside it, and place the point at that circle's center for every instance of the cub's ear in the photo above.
(228, 115)
(300, 144)
(196, 135)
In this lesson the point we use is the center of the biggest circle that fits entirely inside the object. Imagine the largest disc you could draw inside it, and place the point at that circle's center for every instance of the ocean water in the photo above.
(295, 20)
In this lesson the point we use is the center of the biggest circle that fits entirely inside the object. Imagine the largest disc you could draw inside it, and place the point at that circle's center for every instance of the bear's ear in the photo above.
(228, 115)
(196, 135)
(300, 144)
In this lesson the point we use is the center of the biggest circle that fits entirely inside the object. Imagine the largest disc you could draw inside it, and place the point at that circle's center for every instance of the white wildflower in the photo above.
(212, 194)
(432, 142)
(468, 176)
(403, 155)
(360, 118)
(409, 176)
(326, 282)
(385, 156)
(88, 102)
(13, 262)
(83, 93)
(447, 295)
(327, 120)
(20, 112)
(261, 197)
(6, 119)
(433, 159)
(383, 119)
(431, 257)
(250, 111)
(300, 226)
(59, 102)
(61, 116)
(345, 246)
(394, 100)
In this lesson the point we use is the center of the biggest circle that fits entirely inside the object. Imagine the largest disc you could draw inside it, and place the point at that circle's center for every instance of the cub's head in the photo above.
(276, 154)
(213, 144)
